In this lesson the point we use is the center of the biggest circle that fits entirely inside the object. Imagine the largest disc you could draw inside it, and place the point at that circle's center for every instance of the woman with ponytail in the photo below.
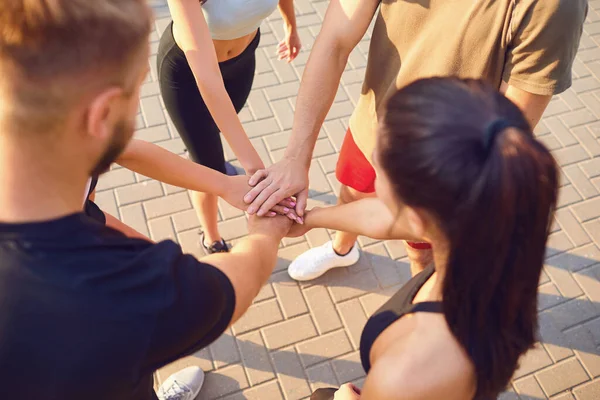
(458, 167)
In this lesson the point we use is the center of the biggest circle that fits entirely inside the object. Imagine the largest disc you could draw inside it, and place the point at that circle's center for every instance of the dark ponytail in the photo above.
(492, 188)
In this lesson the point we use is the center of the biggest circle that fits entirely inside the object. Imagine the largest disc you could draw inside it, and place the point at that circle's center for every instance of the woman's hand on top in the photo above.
(289, 47)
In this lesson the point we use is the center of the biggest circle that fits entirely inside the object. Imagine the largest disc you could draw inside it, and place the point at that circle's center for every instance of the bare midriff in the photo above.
(227, 49)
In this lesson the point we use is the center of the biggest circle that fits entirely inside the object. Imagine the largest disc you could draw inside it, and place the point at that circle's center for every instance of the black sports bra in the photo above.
(395, 308)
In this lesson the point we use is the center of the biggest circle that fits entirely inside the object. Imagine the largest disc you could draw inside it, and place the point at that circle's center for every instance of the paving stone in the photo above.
(289, 295)
(224, 351)
(255, 358)
(354, 285)
(190, 243)
(324, 347)
(290, 374)
(321, 376)
(589, 142)
(573, 312)
(385, 269)
(354, 320)
(186, 220)
(135, 193)
(534, 360)
(115, 178)
(589, 280)
(289, 332)
(580, 181)
(222, 382)
(576, 118)
(571, 155)
(153, 134)
(162, 229)
(563, 279)
(167, 205)
(258, 315)
(577, 259)
(258, 105)
(262, 127)
(322, 309)
(548, 296)
(267, 391)
(133, 215)
(529, 389)
(567, 195)
(588, 391)
(582, 341)
(562, 376)
(591, 168)
(348, 368)
(564, 396)
(554, 340)
(558, 242)
(152, 111)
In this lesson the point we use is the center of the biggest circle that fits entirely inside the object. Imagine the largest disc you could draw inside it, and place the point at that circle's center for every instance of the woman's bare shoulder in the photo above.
(426, 364)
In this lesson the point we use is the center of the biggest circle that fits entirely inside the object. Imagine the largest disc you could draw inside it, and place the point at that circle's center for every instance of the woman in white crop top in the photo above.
(206, 63)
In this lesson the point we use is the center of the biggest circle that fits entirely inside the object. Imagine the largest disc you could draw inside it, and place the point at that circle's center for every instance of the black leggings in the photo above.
(185, 105)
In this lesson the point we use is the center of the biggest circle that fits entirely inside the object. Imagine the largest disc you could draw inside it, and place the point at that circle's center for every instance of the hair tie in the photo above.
(492, 130)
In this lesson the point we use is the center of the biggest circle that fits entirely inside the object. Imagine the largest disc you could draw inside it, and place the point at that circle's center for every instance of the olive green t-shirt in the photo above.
(529, 44)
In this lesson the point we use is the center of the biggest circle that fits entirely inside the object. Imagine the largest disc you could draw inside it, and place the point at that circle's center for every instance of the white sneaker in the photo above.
(182, 385)
(315, 262)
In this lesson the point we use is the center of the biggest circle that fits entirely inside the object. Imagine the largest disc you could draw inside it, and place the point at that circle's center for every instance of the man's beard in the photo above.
(122, 134)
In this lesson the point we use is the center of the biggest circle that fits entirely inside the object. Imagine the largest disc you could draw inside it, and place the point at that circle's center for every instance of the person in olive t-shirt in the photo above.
(525, 48)
(87, 313)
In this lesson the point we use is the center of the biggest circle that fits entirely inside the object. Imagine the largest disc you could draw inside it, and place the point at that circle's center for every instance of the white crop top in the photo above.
(232, 19)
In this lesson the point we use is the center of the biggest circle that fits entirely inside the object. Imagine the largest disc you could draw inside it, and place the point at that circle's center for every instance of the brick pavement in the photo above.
(298, 337)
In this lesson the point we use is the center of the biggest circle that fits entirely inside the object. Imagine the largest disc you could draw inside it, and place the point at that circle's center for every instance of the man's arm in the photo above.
(532, 105)
(251, 262)
(346, 21)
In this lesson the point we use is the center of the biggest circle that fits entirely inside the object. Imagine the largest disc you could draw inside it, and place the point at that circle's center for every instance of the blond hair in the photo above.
(53, 53)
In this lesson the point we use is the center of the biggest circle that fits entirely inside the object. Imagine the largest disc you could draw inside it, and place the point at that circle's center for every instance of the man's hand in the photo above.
(276, 227)
(281, 180)
(237, 186)
(347, 392)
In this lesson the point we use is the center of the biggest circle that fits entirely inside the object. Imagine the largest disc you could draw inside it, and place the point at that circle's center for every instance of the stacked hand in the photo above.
(238, 186)
(285, 179)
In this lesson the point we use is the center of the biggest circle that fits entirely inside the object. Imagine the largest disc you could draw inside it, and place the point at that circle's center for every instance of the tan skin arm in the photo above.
(532, 105)
(366, 217)
(157, 163)
(345, 23)
(251, 262)
(197, 44)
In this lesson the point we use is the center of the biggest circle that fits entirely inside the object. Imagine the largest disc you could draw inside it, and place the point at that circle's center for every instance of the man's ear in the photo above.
(102, 113)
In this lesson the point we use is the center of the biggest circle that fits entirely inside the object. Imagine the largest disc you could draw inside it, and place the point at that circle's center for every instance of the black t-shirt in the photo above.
(86, 313)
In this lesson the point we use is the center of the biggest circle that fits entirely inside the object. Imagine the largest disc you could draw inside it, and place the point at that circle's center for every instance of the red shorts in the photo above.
(353, 169)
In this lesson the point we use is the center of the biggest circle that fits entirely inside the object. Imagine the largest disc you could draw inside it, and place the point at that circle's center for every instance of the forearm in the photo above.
(157, 163)
(366, 217)
(317, 91)
(286, 9)
(248, 266)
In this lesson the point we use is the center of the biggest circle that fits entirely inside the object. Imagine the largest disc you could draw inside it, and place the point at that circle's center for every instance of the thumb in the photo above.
(301, 200)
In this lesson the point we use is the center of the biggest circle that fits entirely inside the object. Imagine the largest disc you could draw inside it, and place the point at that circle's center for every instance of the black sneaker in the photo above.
(217, 247)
